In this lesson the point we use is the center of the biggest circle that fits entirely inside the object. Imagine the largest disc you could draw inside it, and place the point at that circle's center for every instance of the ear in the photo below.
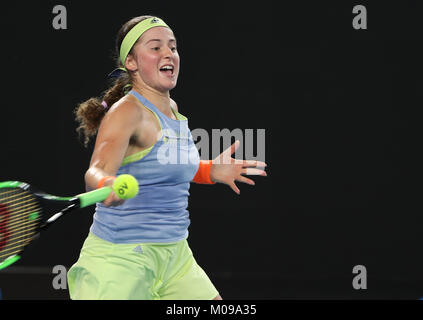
(131, 63)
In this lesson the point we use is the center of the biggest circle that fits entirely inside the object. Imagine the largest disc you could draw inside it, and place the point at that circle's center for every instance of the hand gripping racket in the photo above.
(22, 209)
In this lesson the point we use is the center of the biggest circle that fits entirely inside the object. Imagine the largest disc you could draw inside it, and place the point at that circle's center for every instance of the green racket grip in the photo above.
(9, 261)
(92, 197)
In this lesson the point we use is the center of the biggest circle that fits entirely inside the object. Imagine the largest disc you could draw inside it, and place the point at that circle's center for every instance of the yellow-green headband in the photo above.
(136, 32)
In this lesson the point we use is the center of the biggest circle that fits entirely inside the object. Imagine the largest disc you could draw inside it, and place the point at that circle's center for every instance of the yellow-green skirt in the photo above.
(144, 271)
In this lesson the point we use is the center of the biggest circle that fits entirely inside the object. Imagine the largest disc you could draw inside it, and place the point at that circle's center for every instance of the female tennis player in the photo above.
(137, 249)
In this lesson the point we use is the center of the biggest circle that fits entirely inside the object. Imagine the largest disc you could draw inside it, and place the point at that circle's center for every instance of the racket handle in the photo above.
(92, 197)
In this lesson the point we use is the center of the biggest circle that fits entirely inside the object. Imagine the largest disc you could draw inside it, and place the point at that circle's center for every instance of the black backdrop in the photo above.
(339, 107)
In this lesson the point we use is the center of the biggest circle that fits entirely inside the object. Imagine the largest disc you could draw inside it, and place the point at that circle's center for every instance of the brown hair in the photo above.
(90, 113)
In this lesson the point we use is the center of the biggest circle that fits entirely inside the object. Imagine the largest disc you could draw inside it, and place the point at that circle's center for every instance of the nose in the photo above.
(168, 53)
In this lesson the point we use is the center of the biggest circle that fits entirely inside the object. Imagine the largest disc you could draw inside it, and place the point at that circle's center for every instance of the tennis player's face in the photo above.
(157, 59)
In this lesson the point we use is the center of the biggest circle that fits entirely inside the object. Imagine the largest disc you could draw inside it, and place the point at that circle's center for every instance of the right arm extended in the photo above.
(116, 128)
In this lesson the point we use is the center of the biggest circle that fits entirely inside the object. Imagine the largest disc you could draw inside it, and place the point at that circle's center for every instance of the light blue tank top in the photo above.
(164, 172)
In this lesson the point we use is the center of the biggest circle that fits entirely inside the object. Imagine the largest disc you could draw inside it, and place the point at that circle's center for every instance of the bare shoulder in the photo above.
(126, 109)
(127, 105)
(173, 104)
(123, 114)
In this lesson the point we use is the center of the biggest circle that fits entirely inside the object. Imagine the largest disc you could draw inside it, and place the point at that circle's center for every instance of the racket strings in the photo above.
(19, 217)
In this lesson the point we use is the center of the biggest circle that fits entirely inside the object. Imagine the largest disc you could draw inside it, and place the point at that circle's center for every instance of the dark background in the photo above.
(339, 106)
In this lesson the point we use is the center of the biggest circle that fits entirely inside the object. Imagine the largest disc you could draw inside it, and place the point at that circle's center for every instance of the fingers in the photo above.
(254, 163)
(234, 187)
(113, 200)
(246, 180)
(254, 172)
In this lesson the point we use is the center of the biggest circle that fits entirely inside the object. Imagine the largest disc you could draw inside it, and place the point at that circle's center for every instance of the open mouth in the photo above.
(167, 70)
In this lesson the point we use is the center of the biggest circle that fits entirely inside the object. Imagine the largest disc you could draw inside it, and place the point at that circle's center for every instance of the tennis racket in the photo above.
(22, 209)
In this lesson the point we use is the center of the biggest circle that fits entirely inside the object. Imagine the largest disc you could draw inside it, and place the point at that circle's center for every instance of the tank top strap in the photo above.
(163, 118)
(144, 101)
(149, 106)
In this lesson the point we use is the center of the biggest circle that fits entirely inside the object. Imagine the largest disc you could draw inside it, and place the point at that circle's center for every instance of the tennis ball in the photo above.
(125, 186)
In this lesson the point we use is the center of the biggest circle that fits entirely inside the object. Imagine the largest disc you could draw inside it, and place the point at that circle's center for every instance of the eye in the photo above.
(173, 49)
(156, 48)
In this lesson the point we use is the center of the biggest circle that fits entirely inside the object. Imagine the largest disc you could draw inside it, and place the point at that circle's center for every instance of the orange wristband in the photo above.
(103, 180)
(203, 173)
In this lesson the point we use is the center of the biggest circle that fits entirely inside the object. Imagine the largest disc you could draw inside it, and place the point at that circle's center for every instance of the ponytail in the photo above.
(90, 113)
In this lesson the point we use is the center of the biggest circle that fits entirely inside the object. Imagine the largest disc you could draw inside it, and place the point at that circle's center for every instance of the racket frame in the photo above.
(72, 203)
